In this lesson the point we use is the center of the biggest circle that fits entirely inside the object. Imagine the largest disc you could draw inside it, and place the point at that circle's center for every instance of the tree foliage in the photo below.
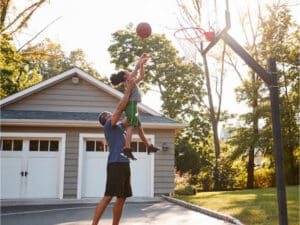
(26, 66)
(277, 37)
(12, 24)
(191, 14)
(16, 72)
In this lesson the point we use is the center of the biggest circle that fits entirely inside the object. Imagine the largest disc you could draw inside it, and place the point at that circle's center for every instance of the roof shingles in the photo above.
(74, 116)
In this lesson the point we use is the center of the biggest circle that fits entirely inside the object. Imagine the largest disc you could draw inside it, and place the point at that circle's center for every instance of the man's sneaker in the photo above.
(127, 152)
(152, 148)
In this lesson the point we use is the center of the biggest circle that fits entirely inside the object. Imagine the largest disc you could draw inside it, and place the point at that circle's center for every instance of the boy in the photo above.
(132, 117)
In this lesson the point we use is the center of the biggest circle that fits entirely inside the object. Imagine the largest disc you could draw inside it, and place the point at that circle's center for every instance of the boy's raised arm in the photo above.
(144, 57)
(123, 102)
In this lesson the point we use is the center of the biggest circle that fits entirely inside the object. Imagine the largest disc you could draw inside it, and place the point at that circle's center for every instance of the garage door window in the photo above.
(11, 145)
(101, 146)
(138, 146)
(96, 146)
(43, 146)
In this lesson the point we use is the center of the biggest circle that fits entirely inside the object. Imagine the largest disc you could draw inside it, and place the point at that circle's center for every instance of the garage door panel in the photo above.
(11, 168)
(42, 177)
(141, 175)
(94, 178)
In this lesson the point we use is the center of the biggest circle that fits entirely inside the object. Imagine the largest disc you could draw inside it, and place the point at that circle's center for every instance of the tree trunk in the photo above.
(214, 124)
(250, 168)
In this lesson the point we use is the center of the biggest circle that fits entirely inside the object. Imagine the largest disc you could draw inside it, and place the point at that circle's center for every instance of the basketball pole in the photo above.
(270, 78)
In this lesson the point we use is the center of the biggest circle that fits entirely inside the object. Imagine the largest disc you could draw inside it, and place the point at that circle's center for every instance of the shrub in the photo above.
(264, 178)
(185, 190)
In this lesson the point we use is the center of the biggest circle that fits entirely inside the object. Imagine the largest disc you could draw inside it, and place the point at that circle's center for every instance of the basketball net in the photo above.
(189, 40)
(189, 50)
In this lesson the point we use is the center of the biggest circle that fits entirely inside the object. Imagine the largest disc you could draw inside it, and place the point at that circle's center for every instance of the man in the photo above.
(118, 170)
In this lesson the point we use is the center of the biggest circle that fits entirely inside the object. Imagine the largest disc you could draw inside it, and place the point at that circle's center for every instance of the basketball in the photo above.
(143, 30)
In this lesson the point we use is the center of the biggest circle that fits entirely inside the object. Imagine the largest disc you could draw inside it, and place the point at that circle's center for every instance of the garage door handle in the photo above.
(24, 173)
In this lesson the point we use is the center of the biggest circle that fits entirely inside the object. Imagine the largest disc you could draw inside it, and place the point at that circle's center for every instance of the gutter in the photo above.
(76, 123)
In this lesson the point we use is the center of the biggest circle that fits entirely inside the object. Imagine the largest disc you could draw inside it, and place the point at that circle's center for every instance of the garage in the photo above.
(31, 165)
(52, 145)
(93, 161)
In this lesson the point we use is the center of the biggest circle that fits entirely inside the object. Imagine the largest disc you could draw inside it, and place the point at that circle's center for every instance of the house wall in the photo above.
(67, 97)
(163, 165)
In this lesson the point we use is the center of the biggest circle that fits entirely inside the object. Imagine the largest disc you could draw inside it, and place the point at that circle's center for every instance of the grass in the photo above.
(251, 207)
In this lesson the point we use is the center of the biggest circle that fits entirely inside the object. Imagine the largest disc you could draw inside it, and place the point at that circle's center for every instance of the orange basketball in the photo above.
(143, 30)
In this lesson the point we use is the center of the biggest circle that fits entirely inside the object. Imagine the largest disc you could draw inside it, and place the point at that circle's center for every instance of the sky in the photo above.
(88, 25)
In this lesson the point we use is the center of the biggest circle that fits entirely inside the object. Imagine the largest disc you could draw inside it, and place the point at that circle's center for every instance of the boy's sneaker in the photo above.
(127, 152)
(152, 148)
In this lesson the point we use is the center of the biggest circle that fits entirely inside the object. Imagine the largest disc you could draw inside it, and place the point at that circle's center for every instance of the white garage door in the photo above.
(30, 167)
(94, 161)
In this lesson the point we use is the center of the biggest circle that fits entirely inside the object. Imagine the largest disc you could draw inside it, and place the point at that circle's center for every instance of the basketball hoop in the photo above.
(194, 34)
(190, 39)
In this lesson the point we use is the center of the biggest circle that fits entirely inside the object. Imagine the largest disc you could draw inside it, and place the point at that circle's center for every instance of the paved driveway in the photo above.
(157, 213)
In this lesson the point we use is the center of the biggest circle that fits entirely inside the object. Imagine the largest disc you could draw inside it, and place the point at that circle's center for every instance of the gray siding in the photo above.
(68, 97)
(164, 161)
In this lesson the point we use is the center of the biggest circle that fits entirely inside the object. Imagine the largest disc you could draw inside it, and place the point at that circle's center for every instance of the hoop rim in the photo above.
(197, 30)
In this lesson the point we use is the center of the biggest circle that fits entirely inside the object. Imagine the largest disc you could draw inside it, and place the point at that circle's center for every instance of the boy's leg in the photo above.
(149, 146)
(142, 136)
(127, 151)
(129, 131)
(118, 209)
(130, 113)
(101, 208)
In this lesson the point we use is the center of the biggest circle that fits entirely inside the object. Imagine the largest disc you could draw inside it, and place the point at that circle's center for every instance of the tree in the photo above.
(16, 74)
(52, 60)
(180, 84)
(22, 69)
(281, 40)
(249, 92)
(18, 22)
(28, 65)
(276, 36)
(191, 17)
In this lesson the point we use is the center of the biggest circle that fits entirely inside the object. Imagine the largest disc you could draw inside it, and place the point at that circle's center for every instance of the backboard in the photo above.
(213, 15)
(206, 21)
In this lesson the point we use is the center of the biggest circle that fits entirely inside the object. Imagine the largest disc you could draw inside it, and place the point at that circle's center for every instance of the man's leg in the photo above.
(100, 209)
(117, 211)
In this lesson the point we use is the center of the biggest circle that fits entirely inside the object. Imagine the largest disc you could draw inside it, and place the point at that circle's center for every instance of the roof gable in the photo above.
(68, 74)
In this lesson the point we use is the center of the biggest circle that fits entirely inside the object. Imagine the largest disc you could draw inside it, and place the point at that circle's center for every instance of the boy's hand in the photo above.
(144, 58)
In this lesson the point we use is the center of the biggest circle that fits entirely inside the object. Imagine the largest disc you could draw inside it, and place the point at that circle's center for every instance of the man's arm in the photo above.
(123, 102)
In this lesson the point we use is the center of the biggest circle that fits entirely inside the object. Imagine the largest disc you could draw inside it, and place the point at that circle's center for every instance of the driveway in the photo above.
(143, 213)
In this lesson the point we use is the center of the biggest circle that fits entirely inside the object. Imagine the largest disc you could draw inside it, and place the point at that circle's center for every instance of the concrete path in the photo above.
(135, 213)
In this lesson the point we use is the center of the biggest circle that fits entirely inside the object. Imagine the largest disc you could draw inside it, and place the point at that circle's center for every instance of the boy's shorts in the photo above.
(118, 180)
(132, 114)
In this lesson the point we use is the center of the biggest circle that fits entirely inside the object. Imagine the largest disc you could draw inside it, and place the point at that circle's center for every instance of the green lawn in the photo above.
(251, 207)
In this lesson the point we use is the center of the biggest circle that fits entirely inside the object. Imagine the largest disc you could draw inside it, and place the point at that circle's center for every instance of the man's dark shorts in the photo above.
(118, 180)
